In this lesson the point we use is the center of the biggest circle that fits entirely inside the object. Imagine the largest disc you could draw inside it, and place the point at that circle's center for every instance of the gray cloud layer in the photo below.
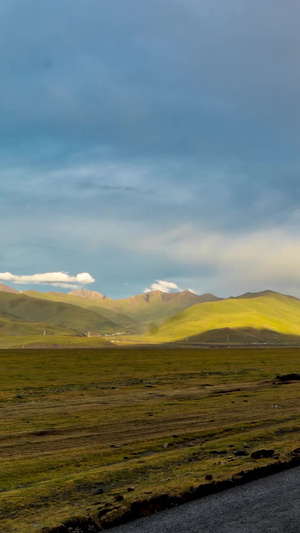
(120, 123)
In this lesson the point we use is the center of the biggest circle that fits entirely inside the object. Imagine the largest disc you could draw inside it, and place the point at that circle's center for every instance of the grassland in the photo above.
(55, 340)
(276, 313)
(89, 432)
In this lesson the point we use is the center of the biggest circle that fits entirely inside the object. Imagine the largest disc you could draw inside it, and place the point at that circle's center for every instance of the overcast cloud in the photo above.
(151, 141)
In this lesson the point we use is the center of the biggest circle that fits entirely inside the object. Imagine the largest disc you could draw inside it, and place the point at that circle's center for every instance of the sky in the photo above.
(149, 145)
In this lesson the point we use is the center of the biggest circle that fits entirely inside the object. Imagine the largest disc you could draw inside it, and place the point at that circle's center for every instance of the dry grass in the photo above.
(74, 421)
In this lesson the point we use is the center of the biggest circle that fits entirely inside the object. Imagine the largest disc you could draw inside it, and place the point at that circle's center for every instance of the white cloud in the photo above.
(166, 286)
(56, 279)
(163, 286)
(193, 292)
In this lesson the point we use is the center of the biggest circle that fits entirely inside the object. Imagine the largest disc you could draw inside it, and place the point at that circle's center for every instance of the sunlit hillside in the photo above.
(275, 312)
(136, 313)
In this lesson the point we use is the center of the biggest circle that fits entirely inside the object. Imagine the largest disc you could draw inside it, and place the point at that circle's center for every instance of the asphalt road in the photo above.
(268, 505)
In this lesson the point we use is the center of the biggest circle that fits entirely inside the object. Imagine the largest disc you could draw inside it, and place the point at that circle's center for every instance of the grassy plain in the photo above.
(88, 432)
(51, 341)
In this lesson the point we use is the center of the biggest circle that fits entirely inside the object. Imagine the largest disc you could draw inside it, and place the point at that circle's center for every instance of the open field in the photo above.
(51, 341)
(88, 432)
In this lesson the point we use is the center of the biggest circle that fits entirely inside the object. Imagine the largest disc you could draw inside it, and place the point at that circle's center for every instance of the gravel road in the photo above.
(268, 505)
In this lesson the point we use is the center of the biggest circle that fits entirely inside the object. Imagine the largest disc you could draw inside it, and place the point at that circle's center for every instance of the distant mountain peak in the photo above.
(152, 293)
(5, 288)
(88, 295)
(266, 293)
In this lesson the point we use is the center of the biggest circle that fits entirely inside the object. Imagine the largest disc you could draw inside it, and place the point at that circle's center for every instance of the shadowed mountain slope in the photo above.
(27, 309)
(243, 336)
(91, 303)
(153, 307)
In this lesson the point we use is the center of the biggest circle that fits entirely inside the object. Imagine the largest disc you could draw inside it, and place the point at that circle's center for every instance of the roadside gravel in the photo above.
(268, 505)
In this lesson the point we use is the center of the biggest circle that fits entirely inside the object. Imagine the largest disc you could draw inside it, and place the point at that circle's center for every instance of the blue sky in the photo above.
(145, 141)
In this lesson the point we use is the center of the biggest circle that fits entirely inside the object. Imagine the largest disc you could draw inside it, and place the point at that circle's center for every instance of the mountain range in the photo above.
(155, 317)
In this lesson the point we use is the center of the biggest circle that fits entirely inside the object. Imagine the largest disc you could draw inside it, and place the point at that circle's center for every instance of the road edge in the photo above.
(163, 502)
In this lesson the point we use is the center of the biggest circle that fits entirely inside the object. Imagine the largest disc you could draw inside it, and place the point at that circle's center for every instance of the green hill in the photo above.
(134, 314)
(157, 317)
(19, 307)
(91, 303)
(274, 313)
(148, 309)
